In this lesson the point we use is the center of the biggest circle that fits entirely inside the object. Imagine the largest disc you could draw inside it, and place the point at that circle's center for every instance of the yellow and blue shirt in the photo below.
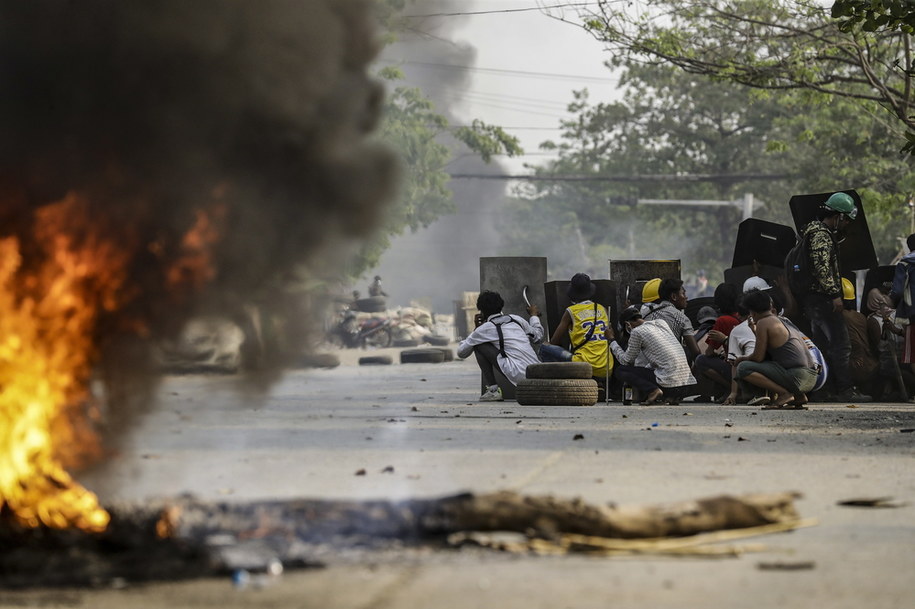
(587, 336)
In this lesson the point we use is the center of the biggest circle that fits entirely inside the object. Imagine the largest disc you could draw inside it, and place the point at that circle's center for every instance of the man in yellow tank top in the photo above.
(583, 325)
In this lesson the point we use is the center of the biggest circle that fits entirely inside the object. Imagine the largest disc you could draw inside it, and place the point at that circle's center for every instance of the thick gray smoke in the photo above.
(435, 265)
(150, 106)
(155, 111)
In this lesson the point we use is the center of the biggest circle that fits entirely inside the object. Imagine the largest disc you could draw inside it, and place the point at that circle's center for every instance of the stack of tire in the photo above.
(557, 384)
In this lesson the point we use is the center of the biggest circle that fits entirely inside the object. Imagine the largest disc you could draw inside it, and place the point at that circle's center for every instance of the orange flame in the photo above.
(194, 267)
(48, 316)
(50, 305)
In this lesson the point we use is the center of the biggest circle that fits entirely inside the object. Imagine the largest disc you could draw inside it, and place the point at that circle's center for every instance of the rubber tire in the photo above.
(422, 356)
(556, 392)
(376, 360)
(319, 360)
(380, 339)
(449, 354)
(559, 370)
(372, 304)
(438, 341)
(406, 342)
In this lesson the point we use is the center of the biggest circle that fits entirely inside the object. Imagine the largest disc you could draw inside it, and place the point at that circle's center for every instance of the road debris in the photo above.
(872, 502)
(786, 566)
(186, 537)
(699, 545)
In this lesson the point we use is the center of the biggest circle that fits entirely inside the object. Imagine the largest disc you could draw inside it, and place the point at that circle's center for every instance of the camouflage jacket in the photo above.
(824, 260)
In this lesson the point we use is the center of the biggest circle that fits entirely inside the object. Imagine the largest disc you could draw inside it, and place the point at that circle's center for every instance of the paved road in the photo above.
(315, 429)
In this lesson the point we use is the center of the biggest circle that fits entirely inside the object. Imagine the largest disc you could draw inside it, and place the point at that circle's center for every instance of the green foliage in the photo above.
(488, 140)
(776, 44)
(874, 15)
(671, 122)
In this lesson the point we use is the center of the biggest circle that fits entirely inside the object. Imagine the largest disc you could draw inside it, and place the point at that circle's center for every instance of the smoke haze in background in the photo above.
(433, 266)
(252, 115)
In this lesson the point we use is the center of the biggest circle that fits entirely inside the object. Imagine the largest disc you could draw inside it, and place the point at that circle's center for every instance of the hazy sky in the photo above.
(508, 64)
(527, 66)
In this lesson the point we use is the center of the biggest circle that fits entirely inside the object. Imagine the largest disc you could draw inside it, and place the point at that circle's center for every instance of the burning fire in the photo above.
(54, 290)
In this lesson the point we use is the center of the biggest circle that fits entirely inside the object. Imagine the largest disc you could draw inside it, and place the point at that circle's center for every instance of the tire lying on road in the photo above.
(448, 353)
(422, 356)
(559, 370)
(438, 341)
(376, 360)
(556, 392)
(319, 360)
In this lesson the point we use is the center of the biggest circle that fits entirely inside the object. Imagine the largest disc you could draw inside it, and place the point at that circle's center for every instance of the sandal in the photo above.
(657, 399)
(760, 400)
(788, 406)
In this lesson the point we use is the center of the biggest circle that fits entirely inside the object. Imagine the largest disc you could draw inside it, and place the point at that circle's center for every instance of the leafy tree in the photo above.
(774, 44)
(674, 123)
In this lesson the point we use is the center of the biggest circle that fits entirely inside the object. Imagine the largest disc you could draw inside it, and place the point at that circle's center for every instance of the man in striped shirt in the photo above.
(667, 369)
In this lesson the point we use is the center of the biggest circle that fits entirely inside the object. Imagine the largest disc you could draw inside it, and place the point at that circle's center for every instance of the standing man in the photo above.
(903, 296)
(375, 288)
(823, 301)
(501, 344)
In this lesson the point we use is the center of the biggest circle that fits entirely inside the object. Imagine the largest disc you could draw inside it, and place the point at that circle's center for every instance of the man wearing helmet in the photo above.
(823, 302)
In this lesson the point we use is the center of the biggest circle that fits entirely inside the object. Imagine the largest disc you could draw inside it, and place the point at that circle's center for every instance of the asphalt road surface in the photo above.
(417, 431)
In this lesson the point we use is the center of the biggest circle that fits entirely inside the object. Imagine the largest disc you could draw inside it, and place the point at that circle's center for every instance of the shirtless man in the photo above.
(790, 371)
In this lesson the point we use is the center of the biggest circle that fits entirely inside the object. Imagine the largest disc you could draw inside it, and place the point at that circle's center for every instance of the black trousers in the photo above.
(830, 334)
(486, 354)
(642, 379)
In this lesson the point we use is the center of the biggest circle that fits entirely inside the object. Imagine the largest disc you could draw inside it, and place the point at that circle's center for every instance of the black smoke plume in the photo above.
(255, 113)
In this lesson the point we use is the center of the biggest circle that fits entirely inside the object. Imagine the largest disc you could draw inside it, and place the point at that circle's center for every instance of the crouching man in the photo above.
(780, 362)
(502, 345)
(653, 344)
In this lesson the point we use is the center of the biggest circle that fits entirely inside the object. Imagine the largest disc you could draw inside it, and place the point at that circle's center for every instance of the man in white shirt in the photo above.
(501, 343)
(741, 343)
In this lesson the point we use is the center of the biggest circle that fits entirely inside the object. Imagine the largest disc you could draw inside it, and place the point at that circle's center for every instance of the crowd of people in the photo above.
(743, 350)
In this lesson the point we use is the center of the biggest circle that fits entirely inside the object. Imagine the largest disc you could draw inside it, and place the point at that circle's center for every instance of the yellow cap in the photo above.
(650, 290)
(848, 290)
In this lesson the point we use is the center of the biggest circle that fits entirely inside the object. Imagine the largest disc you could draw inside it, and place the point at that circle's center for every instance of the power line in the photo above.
(551, 75)
(472, 95)
(744, 177)
(505, 10)
(516, 128)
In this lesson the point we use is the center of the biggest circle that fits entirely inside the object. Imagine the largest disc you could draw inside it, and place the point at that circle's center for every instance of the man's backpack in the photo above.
(797, 267)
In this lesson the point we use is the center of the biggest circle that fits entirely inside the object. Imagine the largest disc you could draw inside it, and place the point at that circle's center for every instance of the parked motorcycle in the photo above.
(351, 333)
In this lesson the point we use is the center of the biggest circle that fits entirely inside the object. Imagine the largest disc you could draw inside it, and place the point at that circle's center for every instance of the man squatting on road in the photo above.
(502, 344)
(583, 327)
(780, 362)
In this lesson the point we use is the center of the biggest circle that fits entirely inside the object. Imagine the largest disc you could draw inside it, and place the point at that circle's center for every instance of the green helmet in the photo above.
(842, 203)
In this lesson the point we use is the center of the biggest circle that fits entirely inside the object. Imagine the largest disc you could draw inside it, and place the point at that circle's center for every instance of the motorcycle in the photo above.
(349, 332)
